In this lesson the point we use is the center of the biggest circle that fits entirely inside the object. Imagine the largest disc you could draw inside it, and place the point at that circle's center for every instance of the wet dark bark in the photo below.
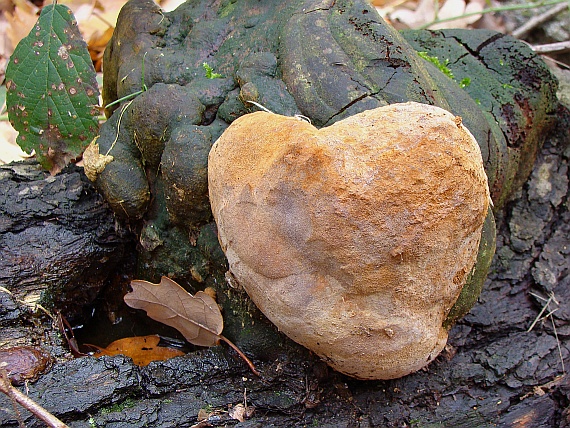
(58, 241)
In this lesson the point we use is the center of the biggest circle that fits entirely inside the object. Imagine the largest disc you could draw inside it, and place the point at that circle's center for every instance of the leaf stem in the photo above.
(493, 10)
(126, 97)
(241, 354)
(119, 126)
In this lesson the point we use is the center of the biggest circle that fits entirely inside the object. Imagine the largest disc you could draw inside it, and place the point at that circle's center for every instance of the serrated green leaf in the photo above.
(52, 90)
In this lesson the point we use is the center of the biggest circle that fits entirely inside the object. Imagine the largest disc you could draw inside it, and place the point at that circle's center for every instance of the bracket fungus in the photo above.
(356, 239)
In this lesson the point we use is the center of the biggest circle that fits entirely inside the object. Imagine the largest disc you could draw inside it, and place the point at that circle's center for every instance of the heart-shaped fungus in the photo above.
(355, 240)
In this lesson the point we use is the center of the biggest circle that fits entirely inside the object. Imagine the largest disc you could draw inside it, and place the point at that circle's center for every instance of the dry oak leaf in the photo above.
(197, 317)
(141, 349)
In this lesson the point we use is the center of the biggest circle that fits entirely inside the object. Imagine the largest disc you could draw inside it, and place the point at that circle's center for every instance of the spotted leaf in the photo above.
(52, 90)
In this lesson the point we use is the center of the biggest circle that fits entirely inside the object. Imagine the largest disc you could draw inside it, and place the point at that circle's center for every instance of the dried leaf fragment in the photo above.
(141, 349)
(240, 412)
(94, 162)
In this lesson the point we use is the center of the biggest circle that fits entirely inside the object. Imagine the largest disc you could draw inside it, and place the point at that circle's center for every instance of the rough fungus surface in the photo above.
(355, 240)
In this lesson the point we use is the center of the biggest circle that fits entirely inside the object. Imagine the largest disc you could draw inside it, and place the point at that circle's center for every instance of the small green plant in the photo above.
(466, 81)
(210, 72)
(442, 66)
(119, 407)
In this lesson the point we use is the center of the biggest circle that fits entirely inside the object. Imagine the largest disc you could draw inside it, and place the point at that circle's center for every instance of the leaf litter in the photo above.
(197, 316)
(141, 349)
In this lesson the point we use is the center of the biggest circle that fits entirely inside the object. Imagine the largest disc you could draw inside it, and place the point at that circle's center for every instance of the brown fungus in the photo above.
(356, 239)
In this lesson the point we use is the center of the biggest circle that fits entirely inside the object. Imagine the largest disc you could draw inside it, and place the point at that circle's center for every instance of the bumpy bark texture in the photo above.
(58, 240)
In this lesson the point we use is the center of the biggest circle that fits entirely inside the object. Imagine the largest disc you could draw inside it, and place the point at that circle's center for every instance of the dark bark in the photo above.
(58, 240)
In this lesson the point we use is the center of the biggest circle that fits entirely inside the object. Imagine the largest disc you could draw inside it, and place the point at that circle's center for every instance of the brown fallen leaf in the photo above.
(240, 412)
(141, 349)
(24, 363)
(197, 317)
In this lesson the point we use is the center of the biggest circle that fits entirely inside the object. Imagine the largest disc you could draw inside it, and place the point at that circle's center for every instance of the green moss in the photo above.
(119, 407)
(210, 72)
(435, 61)
(465, 82)
(443, 67)
(476, 279)
(227, 9)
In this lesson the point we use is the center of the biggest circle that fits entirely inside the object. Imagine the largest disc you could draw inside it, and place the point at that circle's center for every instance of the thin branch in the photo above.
(242, 355)
(539, 316)
(493, 10)
(552, 48)
(27, 402)
(534, 22)
(558, 344)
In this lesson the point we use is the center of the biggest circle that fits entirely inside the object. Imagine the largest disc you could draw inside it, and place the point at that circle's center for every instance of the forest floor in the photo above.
(505, 363)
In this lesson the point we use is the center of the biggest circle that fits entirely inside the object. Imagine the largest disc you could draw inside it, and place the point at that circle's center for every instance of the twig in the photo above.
(493, 10)
(6, 385)
(27, 402)
(532, 23)
(558, 344)
(539, 317)
(554, 63)
(265, 109)
(544, 308)
(242, 355)
(552, 48)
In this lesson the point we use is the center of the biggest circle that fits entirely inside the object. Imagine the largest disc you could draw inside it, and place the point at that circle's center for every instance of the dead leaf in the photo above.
(21, 20)
(97, 44)
(453, 8)
(203, 414)
(197, 317)
(141, 349)
(241, 412)
(426, 12)
(94, 162)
